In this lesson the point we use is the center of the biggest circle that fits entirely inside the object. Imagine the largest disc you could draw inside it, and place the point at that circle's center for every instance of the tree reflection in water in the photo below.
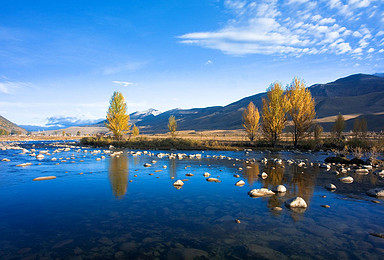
(118, 175)
(299, 181)
(251, 173)
(172, 168)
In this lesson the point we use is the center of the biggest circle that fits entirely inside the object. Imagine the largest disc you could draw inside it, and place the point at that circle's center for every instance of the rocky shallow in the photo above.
(125, 205)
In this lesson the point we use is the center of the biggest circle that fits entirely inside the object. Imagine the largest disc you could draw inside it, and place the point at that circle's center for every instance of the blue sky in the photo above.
(65, 58)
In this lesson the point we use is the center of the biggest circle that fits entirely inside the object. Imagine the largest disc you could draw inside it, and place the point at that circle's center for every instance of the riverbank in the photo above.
(156, 143)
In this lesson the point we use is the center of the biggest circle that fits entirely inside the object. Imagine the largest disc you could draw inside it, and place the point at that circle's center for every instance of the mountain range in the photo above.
(355, 96)
(358, 95)
(10, 127)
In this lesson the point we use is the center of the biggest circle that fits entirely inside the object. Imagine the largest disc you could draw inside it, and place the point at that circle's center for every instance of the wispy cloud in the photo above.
(9, 87)
(270, 27)
(128, 66)
(122, 83)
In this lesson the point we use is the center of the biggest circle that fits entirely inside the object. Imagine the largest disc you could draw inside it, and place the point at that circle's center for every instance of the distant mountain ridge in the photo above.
(10, 127)
(359, 94)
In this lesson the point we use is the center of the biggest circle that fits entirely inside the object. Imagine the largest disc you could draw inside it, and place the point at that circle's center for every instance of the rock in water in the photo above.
(330, 186)
(240, 183)
(260, 192)
(297, 202)
(44, 178)
(377, 192)
(39, 157)
(147, 165)
(347, 179)
(263, 175)
(206, 174)
(279, 188)
(362, 171)
(213, 180)
(178, 183)
(379, 172)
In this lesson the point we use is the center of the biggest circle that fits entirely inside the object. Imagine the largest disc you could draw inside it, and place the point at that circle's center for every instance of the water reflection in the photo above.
(172, 168)
(251, 173)
(118, 175)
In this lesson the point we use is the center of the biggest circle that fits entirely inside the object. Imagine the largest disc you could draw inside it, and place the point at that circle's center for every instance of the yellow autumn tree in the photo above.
(274, 116)
(172, 126)
(135, 131)
(251, 119)
(301, 108)
(117, 117)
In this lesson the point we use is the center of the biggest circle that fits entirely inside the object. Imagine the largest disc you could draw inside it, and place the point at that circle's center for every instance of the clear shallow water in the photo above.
(100, 214)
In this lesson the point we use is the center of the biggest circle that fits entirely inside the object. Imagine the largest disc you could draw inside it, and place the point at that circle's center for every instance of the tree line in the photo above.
(293, 105)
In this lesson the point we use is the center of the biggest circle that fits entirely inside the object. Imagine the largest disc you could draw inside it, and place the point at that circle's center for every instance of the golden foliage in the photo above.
(117, 116)
(274, 115)
(301, 108)
(172, 126)
(135, 131)
(251, 119)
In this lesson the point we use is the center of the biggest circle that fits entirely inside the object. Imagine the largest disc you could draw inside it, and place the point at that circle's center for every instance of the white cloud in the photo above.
(357, 34)
(327, 21)
(297, 1)
(129, 66)
(316, 18)
(371, 50)
(381, 51)
(269, 27)
(358, 51)
(208, 62)
(8, 87)
(359, 3)
(122, 83)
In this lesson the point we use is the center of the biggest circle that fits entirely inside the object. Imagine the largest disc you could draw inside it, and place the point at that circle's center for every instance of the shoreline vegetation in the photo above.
(232, 142)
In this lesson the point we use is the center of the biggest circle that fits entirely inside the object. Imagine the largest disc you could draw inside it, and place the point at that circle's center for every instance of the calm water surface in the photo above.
(116, 208)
